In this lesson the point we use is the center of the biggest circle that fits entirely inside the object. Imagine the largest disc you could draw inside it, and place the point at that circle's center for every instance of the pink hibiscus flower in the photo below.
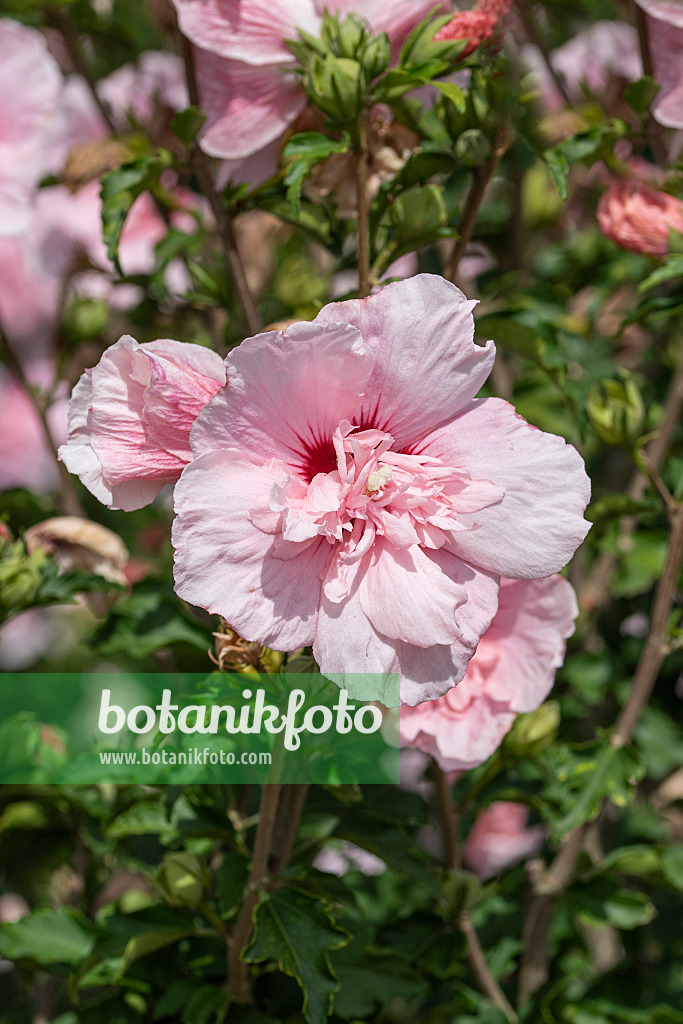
(512, 672)
(665, 31)
(30, 83)
(130, 418)
(638, 217)
(244, 66)
(349, 492)
(480, 25)
(499, 839)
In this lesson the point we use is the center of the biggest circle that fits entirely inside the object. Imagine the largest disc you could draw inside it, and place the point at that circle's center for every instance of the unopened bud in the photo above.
(473, 148)
(534, 731)
(183, 879)
(617, 411)
(376, 56)
(77, 543)
(336, 86)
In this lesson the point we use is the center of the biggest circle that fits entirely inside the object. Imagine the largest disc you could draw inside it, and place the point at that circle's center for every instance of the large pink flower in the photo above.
(30, 83)
(130, 418)
(665, 31)
(512, 672)
(500, 838)
(349, 492)
(244, 66)
(638, 217)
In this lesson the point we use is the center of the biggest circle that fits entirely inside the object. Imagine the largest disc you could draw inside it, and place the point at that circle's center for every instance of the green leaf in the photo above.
(48, 937)
(453, 93)
(601, 901)
(558, 169)
(367, 985)
(231, 881)
(672, 268)
(150, 942)
(304, 151)
(187, 124)
(147, 619)
(672, 865)
(608, 776)
(120, 188)
(640, 95)
(418, 213)
(297, 930)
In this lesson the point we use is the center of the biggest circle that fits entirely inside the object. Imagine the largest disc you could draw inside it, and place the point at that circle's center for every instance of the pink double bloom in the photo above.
(346, 489)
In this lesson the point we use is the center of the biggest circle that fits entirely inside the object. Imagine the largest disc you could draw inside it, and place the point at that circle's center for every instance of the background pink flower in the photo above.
(665, 32)
(130, 418)
(499, 839)
(638, 218)
(512, 671)
(25, 456)
(30, 84)
(347, 474)
(249, 95)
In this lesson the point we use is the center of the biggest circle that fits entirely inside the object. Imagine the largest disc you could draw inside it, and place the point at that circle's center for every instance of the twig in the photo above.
(481, 971)
(481, 177)
(653, 130)
(201, 165)
(450, 818)
(363, 220)
(645, 462)
(73, 47)
(289, 815)
(553, 882)
(69, 499)
(535, 37)
(238, 978)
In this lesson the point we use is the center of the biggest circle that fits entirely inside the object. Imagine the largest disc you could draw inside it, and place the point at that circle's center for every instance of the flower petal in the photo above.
(247, 107)
(427, 365)
(225, 564)
(253, 31)
(530, 631)
(288, 391)
(539, 524)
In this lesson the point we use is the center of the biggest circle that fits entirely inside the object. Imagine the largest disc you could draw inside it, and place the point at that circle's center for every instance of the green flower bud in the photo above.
(19, 575)
(376, 56)
(420, 48)
(532, 732)
(351, 35)
(183, 879)
(473, 148)
(85, 319)
(336, 85)
(617, 411)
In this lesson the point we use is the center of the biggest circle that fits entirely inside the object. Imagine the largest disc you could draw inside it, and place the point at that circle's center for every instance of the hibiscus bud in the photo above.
(183, 879)
(617, 411)
(638, 218)
(85, 319)
(336, 86)
(19, 575)
(472, 147)
(533, 731)
(351, 35)
(422, 46)
(376, 56)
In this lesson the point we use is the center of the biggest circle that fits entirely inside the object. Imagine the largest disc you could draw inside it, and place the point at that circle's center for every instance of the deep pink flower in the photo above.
(30, 83)
(477, 26)
(244, 66)
(638, 218)
(512, 672)
(130, 418)
(499, 839)
(665, 32)
(349, 492)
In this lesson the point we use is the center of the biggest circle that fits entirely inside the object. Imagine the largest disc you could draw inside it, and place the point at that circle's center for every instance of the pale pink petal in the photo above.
(427, 366)
(253, 31)
(226, 564)
(253, 169)
(538, 525)
(77, 121)
(288, 391)
(247, 107)
(499, 839)
(77, 454)
(670, 11)
(397, 19)
(398, 579)
(462, 742)
(530, 630)
(666, 45)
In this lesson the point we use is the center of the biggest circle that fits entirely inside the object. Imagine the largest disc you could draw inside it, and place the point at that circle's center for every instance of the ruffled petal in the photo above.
(247, 107)
(427, 366)
(288, 392)
(539, 523)
(253, 31)
(225, 564)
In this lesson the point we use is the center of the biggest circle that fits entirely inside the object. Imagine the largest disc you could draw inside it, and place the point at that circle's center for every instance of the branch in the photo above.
(289, 815)
(535, 37)
(450, 818)
(201, 165)
(481, 177)
(69, 499)
(481, 971)
(238, 978)
(363, 219)
(81, 65)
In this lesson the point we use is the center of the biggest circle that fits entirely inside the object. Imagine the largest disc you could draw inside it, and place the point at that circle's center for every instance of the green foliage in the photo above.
(120, 189)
